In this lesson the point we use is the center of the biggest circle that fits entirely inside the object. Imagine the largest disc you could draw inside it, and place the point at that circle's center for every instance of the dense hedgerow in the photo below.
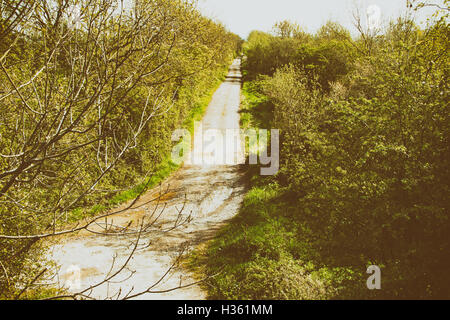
(364, 174)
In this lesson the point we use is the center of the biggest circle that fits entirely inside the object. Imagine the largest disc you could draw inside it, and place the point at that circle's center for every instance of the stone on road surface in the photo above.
(212, 194)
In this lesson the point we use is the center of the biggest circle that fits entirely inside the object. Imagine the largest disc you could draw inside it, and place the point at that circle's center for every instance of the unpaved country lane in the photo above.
(211, 193)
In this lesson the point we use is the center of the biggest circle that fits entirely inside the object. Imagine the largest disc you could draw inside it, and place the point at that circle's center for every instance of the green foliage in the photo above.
(369, 162)
(328, 55)
(80, 94)
(255, 111)
(364, 173)
(254, 255)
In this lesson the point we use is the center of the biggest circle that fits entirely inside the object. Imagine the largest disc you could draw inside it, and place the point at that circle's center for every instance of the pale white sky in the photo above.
(243, 16)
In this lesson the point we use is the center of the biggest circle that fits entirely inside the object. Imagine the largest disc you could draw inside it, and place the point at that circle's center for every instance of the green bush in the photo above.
(364, 176)
(369, 167)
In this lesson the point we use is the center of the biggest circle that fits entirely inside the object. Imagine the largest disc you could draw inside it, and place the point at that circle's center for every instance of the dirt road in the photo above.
(211, 193)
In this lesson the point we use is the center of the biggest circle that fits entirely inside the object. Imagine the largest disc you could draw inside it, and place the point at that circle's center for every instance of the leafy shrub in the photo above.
(370, 167)
(364, 176)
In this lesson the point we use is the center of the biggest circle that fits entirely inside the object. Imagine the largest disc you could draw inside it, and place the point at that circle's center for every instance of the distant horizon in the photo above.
(243, 16)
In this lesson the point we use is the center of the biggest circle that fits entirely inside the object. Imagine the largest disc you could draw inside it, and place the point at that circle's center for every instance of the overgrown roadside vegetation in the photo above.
(251, 257)
(90, 94)
(364, 176)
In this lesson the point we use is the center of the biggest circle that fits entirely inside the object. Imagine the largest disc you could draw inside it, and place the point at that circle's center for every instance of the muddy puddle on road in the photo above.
(210, 194)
